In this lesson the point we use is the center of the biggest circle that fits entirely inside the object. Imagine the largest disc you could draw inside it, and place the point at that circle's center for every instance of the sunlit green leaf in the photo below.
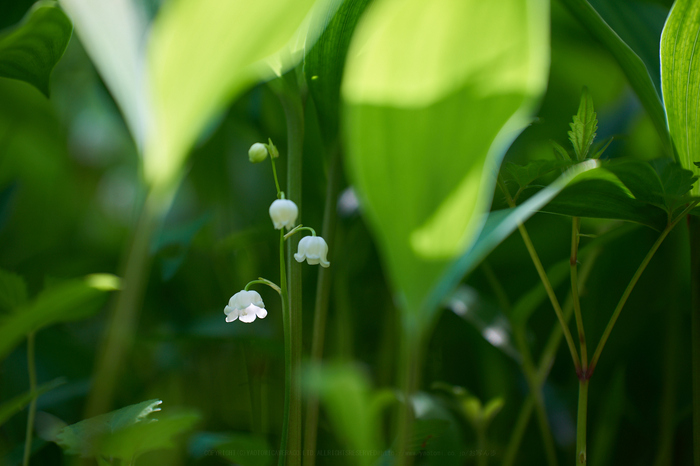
(427, 124)
(16, 404)
(114, 34)
(201, 54)
(680, 79)
(30, 52)
(84, 438)
(325, 62)
(583, 127)
(13, 291)
(64, 302)
(632, 66)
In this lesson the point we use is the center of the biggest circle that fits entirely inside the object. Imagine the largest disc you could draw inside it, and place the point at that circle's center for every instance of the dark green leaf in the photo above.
(584, 126)
(13, 291)
(524, 175)
(632, 66)
(84, 438)
(605, 199)
(64, 302)
(676, 180)
(426, 431)
(640, 178)
(324, 64)
(30, 52)
(559, 151)
(680, 77)
(16, 404)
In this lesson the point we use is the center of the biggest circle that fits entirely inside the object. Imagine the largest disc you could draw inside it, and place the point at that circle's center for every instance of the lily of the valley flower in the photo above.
(314, 249)
(245, 306)
(257, 152)
(283, 213)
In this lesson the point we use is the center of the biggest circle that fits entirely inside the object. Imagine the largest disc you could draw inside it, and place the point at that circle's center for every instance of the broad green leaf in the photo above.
(16, 404)
(63, 302)
(201, 54)
(13, 291)
(144, 436)
(632, 66)
(427, 125)
(680, 81)
(605, 199)
(325, 62)
(114, 35)
(498, 226)
(583, 127)
(676, 180)
(526, 174)
(30, 52)
(84, 438)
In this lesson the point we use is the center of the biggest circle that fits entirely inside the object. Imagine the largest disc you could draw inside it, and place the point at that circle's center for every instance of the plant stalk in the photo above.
(582, 418)
(31, 366)
(323, 289)
(694, 228)
(286, 324)
(575, 227)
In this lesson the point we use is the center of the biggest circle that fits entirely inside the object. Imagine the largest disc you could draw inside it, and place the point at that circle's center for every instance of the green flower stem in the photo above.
(631, 285)
(545, 280)
(264, 281)
(323, 290)
(582, 418)
(286, 324)
(288, 92)
(575, 227)
(31, 366)
(297, 229)
(277, 183)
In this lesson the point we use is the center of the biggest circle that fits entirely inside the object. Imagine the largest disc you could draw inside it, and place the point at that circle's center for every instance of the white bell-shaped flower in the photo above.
(245, 306)
(313, 249)
(283, 213)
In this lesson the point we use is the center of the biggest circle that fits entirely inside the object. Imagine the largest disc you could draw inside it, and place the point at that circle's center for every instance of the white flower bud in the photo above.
(245, 306)
(257, 152)
(314, 249)
(283, 213)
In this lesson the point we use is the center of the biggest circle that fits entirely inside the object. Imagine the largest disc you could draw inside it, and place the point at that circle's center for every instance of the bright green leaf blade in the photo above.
(114, 34)
(203, 53)
(16, 404)
(324, 64)
(584, 126)
(64, 302)
(605, 199)
(680, 81)
(632, 66)
(30, 52)
(427, 124)
(84, 438)
(141, 437)
(13, 291)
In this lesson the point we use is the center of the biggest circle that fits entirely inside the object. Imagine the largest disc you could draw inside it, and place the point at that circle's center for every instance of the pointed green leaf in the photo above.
(30, 52)
(427, 124)
(64, 302)
(203, 53)
(84, 438)
(680, 79)
(16, 404)
(584, 126)
(325, 62)
(114, 34)
(632, 66)
(13, 291)
(676, 180)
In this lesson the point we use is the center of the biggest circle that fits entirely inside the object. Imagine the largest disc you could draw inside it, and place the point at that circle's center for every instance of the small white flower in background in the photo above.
(257, 152)
(283, 213)
(314, 249)
(245, 306)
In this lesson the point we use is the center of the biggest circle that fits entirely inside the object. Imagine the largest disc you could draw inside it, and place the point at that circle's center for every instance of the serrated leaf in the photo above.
(526, 174)
(632, 66)
(640, 178)
(68, 301)
(680, 79)
(84, 438)
(324, 64)
(584, 126)
(676, 180)
(144, 436)
(30, 52)
(13, 291)
(16, 404)
(559, 151)
(425, 122)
